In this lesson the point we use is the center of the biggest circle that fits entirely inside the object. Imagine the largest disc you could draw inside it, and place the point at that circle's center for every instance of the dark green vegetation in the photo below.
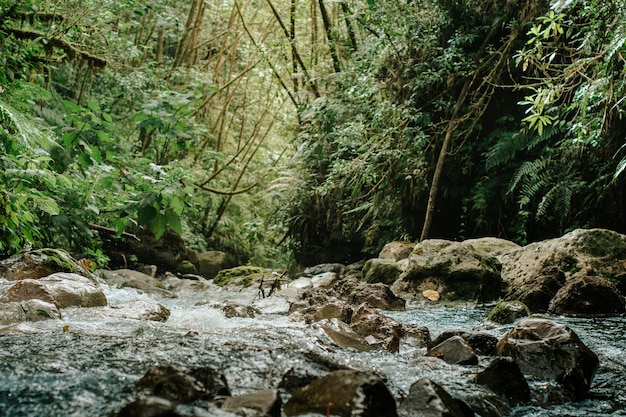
(329, 128)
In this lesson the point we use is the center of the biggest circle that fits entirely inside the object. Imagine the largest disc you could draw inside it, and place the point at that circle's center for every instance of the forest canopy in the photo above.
(309, 131)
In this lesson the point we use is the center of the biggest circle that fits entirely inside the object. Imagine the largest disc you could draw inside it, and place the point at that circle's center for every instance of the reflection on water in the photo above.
(90, 370)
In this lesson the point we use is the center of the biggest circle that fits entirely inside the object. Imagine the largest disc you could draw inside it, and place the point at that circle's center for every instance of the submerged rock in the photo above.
(138, 310)
(344, 393)
(551, 351)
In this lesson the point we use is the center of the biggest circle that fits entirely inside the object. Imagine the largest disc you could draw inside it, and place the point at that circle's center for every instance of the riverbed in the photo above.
(86, 365)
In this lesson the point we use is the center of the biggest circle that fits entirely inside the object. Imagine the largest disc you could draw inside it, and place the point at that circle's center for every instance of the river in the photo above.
(86, 365)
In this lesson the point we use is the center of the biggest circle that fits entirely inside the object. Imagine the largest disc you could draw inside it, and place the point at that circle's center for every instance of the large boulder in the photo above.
(381, 270)
(128, 278)
(378, 296)
(212, 262)
(455, 270)
(588, 295)
(344, 393)
(551, 352)
(396, 251)
(69, 289)
(536, 272)
(40, 263)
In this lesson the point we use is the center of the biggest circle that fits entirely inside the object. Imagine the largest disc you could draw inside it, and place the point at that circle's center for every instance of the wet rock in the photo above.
(377, 296)
(508, 312)
(588, 296)
(138, 310)
(266, 402)
(212, 262)
(414, 335)
(578, 254)
(171, 383)
(482, 343)
(428, 399)
(344, 393)
(396, 251)
(241, 277)
(272, 305)
(27, 310)
(322, 268)
(551, 351)
(537, 293)
(231, 310)
(456, 270)
(135, 279)
(27, 289)
(505, 378)
(454, 350)
(39, 263)
(324, 280)
(368, 322)
(213, 381)
(381, 270)
(69, 289)
(303, 373)
(149, 407)
(338, 310)
(343, 336)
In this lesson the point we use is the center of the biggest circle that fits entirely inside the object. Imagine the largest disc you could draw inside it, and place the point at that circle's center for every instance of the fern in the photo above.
(530, 172)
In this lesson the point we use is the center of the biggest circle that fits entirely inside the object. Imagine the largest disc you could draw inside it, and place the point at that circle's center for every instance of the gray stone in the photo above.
(344, 393)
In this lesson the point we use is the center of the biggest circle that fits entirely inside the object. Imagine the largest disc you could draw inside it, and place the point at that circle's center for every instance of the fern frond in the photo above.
(529, 172)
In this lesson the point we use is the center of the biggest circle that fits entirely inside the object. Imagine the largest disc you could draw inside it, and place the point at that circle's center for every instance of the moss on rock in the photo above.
(246, 273)
(508, 311)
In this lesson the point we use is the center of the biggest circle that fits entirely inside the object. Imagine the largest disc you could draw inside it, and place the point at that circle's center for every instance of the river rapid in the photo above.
(86, 365)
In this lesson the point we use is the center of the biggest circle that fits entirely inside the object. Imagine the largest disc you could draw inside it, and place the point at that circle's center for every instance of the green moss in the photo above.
(58, 260)
(186, 267)
(246, 273)
(508, 311)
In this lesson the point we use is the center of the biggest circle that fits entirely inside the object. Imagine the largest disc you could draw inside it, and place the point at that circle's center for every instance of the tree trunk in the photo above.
(329, 36)
(434, 186)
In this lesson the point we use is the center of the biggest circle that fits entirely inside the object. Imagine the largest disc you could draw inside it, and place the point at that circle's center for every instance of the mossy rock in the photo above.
(186, 267)
(381, 270)
(508, 311)
(247, 274)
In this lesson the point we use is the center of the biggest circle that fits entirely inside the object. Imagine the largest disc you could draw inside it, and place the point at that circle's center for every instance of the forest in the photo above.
(300, 132)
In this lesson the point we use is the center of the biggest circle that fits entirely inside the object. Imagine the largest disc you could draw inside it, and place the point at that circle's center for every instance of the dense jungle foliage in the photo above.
(314, 131)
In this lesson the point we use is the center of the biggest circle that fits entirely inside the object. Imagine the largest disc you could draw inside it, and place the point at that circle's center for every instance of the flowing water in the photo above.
(86, 365)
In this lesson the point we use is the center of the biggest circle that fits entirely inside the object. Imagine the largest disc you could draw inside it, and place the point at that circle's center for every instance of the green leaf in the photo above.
(158, 225)
(173, 221)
